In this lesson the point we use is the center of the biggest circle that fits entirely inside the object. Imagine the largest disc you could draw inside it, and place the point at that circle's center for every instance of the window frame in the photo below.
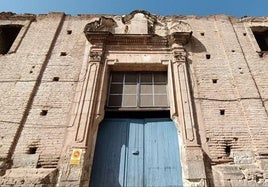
(138, 94)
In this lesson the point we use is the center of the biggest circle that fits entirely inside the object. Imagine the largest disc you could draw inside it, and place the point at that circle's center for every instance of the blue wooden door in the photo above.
(161, 159)
(136, 153)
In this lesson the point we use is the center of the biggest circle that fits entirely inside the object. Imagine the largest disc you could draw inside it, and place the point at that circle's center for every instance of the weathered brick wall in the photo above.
(240, 90)
(19, 72)
(54, 96)
(28, 76)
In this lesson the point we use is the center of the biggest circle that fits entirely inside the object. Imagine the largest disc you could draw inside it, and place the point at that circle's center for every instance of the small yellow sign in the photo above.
(75, 157)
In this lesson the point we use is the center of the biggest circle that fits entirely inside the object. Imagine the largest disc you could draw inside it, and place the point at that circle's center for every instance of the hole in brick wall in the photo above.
(38, 165)
(31, 71)
(69, 31)
(261, 36)
(56, 79)
(207, 56)
(202, 34)
(63, 54)
(32, 150)
(227, 150)
(43, 112)
(222, 112)
(214, 81)
(241, 70)
(263, 154)
(244, 34)
(233, 51)
(207, 139)
(235, 138)
(8, 34)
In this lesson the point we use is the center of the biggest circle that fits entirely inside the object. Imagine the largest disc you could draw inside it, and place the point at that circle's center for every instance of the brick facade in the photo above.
(54, 85)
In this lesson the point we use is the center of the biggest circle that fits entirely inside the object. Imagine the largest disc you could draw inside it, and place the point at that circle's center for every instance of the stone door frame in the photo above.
(109, 52)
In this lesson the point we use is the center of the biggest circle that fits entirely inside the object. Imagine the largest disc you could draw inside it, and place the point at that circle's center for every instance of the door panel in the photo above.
(136, 152)
(110, 154)
(162, 162)
(134, 165)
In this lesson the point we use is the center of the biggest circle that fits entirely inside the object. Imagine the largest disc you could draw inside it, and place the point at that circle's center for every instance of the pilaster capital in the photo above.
(179, 54)
(96, 53)
(177, 40)
(98, 40)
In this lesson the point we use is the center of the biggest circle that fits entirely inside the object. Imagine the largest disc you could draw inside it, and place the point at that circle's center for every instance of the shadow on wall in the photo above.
(195, 46)
(208, 170)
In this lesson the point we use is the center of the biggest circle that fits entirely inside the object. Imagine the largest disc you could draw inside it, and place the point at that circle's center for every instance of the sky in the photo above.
(238, 8)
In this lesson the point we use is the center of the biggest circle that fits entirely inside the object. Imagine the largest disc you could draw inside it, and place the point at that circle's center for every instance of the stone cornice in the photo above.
(181, 38)
(108, 38)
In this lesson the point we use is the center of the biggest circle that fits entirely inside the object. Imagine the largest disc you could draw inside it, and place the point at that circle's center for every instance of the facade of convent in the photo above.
(133, 100)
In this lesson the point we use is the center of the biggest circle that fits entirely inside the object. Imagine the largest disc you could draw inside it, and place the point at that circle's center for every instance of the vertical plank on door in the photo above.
(134, 164)
(109, 158)
(162, 162)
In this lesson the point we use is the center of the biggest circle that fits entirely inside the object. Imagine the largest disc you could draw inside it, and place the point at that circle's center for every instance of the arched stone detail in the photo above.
(148, 15)
(148, 19)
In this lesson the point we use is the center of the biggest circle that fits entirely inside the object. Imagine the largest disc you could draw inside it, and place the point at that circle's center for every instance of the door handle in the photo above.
(135, 152)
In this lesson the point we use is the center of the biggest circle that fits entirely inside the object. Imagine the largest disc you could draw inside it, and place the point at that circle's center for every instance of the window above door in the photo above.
(138, 90)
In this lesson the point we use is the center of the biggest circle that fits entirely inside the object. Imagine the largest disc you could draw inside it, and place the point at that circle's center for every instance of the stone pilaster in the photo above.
(183, 95)
(194, 168)
(86, 108)
(84, 123)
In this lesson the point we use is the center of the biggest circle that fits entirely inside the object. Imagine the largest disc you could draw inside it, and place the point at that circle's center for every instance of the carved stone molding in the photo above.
(103, 24)
(139, 29)
(97, 37)
(106, 38)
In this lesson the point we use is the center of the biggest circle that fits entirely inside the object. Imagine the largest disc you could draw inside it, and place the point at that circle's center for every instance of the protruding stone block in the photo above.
(243, 157)
(25, 160)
